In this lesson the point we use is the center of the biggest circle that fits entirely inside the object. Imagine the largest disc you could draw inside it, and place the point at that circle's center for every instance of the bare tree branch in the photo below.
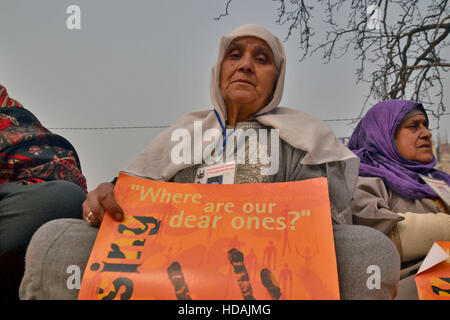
(226, 13)
(397, 43)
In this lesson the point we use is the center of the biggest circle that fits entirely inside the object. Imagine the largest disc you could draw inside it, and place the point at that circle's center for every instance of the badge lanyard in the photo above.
(224, 130)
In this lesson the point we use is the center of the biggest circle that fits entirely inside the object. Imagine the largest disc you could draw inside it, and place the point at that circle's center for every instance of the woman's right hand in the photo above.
(99, 201)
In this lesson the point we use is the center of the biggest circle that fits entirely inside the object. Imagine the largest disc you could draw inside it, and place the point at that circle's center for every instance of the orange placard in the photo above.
(215, 242)
(433, 277)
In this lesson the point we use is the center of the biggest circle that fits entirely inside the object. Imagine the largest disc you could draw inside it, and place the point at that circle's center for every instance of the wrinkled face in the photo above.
(248, 73)
(413, 139)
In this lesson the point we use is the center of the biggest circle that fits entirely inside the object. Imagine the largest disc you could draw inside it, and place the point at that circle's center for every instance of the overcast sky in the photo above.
(145, 63)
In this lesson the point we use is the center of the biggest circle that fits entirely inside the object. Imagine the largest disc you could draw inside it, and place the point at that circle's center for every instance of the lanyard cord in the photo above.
(224, 130)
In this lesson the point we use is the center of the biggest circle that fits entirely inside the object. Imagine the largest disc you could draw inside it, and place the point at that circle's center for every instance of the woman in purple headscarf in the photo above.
(394, 144)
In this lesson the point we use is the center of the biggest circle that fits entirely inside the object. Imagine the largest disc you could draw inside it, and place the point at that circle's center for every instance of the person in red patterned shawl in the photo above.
(40, 180)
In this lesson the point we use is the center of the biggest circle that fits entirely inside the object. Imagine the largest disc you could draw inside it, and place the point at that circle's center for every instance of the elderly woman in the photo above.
(394, 144)
(246, 89)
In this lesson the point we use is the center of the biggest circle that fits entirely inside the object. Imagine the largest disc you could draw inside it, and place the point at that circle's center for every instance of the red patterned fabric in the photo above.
(29, 153)
(6, 101)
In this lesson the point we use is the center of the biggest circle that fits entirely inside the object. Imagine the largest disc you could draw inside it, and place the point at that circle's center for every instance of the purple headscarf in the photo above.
(373, 141)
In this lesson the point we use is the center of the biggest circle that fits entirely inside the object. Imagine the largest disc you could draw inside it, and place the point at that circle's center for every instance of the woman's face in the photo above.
(413, 139)
(248, 74)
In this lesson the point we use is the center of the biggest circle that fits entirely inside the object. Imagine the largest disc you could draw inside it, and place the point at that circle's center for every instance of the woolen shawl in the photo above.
(296, 128)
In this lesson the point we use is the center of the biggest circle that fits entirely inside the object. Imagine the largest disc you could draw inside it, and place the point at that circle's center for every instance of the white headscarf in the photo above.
(296, 128)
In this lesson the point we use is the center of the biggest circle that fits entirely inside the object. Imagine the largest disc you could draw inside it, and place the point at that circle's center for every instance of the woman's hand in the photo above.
(98, 201)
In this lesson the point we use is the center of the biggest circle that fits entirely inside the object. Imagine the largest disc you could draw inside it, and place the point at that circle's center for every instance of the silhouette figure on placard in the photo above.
(286, 243)
(307, 255)
(286, 282)
(270, 256)
(169, 254)
(308, 277)
(251, 264)
(235, 243)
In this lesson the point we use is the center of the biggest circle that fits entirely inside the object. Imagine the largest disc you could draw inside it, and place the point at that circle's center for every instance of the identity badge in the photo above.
(216, 174)
(440, 187)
